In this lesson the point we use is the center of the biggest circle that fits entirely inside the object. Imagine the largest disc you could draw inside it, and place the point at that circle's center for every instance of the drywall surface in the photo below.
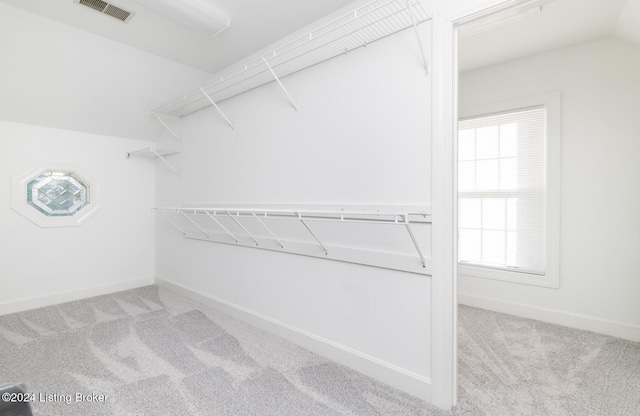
(56, 75)
(600, 227)
(360, 137)
(115, 245)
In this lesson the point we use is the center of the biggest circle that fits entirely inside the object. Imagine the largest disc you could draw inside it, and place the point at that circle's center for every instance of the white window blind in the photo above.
(501, 190)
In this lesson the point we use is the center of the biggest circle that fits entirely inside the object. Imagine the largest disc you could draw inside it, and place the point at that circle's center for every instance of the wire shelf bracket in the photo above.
(293, 103)
(243, 227)
(326, 252)
(415, 242)
(213, 103)
(268, 230)
(166, 126)
(157, 153)
(196, 224)
(166, 217)
(414, 22)
(223, 227)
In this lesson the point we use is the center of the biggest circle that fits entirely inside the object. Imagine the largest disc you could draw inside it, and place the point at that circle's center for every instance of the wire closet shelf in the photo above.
(237, 215)
(374, 21)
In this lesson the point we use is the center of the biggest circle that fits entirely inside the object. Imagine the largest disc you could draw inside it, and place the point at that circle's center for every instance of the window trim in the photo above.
(21, 206)
(552, 101)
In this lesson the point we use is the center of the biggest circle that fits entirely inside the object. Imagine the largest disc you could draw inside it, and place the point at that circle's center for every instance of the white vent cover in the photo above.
(199, 15)
(108, 9)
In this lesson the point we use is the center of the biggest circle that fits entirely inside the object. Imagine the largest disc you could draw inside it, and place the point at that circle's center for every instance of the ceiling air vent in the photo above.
(108, 9)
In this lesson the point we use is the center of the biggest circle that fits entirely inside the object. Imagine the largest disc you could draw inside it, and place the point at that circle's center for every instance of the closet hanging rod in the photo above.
(373, 21)
(356, 216)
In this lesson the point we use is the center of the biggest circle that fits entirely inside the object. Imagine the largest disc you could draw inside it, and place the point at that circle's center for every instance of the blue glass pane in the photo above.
(57, 194)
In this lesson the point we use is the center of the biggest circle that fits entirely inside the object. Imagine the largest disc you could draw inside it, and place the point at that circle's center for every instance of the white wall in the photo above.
(97, 91)
(56, 75)
(361, 136)
(600, 227)
(112, 250)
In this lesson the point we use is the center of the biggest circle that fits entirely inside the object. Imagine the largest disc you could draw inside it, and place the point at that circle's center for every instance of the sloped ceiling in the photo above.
(56, 75)
(254, 25)
(561, 23)
(628, 26)
(65, 66)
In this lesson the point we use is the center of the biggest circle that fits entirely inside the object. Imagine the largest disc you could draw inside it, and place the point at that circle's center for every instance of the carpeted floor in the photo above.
(510, 366)
(151, 352)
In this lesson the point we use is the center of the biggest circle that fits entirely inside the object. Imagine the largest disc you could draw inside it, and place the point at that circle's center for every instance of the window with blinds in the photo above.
(501, 191)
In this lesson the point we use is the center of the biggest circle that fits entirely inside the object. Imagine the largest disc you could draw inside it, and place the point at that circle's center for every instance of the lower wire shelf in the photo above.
(208, 224)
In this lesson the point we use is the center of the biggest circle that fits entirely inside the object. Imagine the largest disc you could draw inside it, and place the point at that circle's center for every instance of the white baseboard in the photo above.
(69, 296)
(572, 320)
(387, 373)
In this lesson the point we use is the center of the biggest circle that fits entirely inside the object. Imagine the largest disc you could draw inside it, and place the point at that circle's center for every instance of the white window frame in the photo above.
(20, 204)
(552, 102)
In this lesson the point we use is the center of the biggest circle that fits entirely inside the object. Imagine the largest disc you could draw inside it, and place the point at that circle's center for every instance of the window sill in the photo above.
(549, 281)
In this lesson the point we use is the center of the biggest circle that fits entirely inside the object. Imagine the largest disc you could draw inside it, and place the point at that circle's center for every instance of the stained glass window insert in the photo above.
(57, 194)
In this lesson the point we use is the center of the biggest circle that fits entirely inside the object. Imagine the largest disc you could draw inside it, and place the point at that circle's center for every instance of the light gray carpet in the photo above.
(152, 352)
(510, 366)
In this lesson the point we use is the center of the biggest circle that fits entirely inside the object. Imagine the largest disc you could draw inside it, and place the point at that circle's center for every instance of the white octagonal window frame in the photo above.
(39, 213)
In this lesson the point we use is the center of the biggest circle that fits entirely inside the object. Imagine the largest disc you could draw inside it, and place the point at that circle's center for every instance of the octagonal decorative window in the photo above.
(54, 197)
(57, 193)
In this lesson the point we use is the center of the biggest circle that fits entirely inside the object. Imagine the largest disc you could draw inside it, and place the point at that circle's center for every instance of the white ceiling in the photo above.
(628, 26)
(254, 25)
(561, 23)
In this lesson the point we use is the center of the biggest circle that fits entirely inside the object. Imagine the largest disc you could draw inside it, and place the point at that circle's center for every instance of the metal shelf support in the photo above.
(268, 229)
(314, 235)
(415, 242)
(196, 224)
(280, 83)
(222, 226)
(243, 228)
(166, 126)
(169, 165)
(166, 217)
(213, 103)
(159, 153)
(415, 28)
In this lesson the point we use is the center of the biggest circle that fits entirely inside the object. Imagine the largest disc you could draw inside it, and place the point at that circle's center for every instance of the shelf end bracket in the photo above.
(196, 224)
(243, 227)
(166, 217)
(222, 226)
(280, 83)
(326, 253)
(166, 126)
(213, 103)
(415, 242)
(269, 230)
(415, 28)
(165, 161)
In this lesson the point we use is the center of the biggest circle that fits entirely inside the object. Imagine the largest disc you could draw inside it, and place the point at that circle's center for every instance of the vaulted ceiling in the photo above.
(68, 67)
(560, 23)
(254, 25)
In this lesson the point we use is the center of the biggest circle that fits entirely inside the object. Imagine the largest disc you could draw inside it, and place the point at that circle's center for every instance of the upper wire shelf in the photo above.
(369, 23)
(152, 152)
